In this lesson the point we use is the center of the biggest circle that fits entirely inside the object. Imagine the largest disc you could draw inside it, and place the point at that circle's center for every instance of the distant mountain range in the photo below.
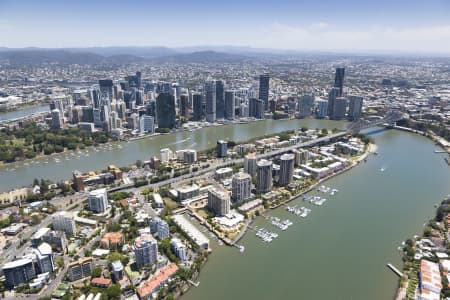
(117, 55)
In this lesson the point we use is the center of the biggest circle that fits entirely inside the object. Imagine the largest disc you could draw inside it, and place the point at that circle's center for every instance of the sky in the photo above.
(413, 26)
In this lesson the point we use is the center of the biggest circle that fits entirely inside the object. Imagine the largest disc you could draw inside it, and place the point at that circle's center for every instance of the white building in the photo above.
(98, 200)
(166, 155)
(145, 250)
(322, 108)
(146, 124)
(250, 164)
(64, 221)
(219, 200)
(241, 185)
(198, 237)
(179, 248)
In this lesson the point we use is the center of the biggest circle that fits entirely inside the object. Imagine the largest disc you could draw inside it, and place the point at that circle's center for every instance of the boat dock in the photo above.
(395, 270)
(196, 284)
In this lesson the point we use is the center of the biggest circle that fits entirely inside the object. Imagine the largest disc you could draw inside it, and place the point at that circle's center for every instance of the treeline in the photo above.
(33, 140)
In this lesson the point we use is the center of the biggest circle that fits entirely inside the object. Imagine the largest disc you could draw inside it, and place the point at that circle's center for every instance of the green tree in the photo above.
(113, 291)
(59, 261)
(97, 271)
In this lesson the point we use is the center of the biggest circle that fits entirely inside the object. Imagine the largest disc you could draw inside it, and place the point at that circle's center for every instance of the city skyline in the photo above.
(413, 26)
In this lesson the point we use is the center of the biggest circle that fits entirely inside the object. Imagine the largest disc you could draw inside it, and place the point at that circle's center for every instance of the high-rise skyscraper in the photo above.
(256, 108)
(210, 93)
(229, 105)
(56, 119)
(264, 84)
(165, 107)
(197, 100)
(339, 80)
(355, 107)
(222, 148)
(184, 106)
(322, 108)
(220, 99)
(98, 200)
(264, 176)
(339, 108)
(241, 185)
(305, 106)
(219, 200)
(334, 93)
(250, 164)
(145, 250)
(286, 169)
(106, 91)
(146, 124)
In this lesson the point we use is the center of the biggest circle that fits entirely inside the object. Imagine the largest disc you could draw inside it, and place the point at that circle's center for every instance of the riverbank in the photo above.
(363, 222)
(371, 148)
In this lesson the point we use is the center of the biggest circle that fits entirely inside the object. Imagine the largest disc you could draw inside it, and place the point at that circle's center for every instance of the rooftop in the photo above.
(153, 283)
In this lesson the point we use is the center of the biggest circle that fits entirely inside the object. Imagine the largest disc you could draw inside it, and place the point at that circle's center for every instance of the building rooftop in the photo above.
(17, 263)
(112, 237)
(195, 234)
(153, 283)
(100, 281)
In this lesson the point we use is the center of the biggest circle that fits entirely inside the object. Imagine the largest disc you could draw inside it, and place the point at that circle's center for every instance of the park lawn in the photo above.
(170, 203)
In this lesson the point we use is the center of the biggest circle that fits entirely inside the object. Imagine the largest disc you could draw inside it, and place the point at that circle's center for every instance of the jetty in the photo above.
(395, 270)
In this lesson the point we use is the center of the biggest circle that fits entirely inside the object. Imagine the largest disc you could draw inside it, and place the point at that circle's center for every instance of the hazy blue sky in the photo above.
(406, 25)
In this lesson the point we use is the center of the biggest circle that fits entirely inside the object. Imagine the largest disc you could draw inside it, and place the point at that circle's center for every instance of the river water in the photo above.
(60, 166)
(24, 112)
(341, 249)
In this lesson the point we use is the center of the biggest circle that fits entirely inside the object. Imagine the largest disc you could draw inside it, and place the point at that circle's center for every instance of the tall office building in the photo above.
(241, 185)
(219, 200)
(250, 164)
(222, 148)
(321, 108)
(57, 119)
(256, 108)
(229, 105)
(301, 156)
(333, 94)
(18, 272)
(220, 99)
(146, 124)
(340, 108)
(184, 106)
(114, 120)
(150, 109)
(98, 200)
(210, 94)
(106, 91)
(286, 169)
(264, 176)
(64, 221)
(197, 103)
(44, 258)
(339, 80)
(305, 106)
(264, 84)
(145, 250)
(160, 227)
(355, 107)
(165, 107)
